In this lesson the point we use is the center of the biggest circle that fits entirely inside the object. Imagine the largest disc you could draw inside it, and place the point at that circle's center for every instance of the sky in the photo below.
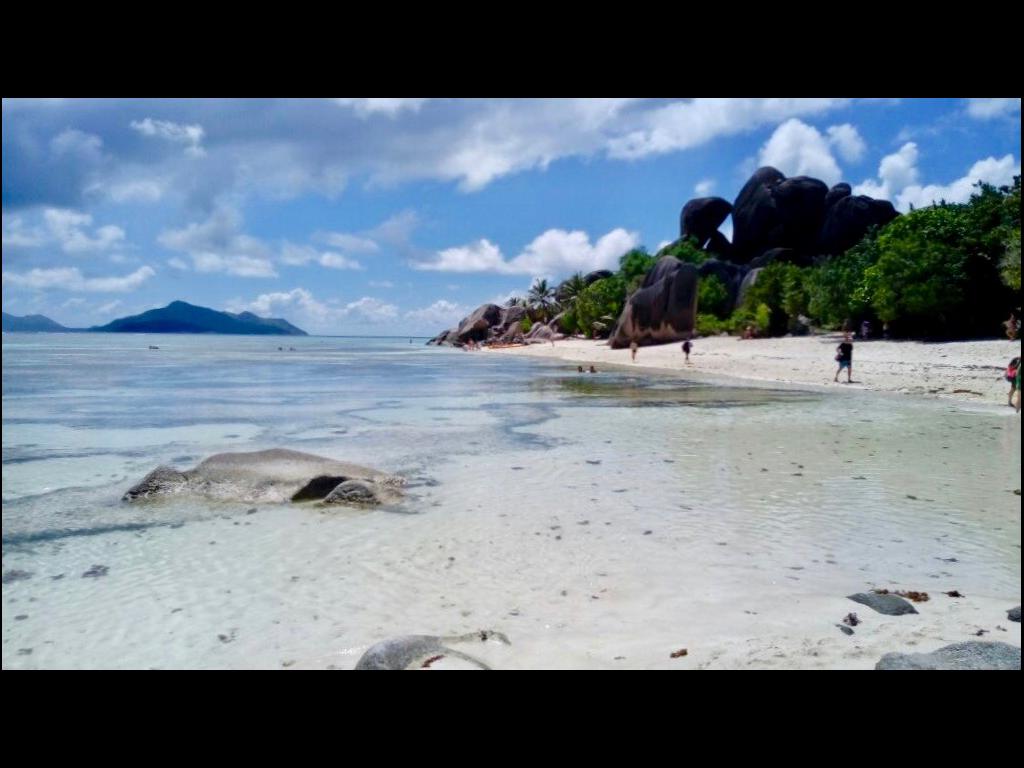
(401, 216)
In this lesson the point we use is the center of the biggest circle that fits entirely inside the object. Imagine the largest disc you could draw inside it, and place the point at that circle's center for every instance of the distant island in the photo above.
(176, 317)
(32, 324)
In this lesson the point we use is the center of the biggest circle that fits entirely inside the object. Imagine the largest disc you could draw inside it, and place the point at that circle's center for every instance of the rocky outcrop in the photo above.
(488, 322)
(969, 655)
(890, 605)
(1014, 614)
(597, 274)
(849, 218)
(731, 275)
(701, 218)
(663, 309)
(274, 476)
(419, 651)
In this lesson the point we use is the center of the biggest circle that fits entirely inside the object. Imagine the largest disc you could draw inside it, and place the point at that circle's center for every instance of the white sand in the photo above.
(967, 370)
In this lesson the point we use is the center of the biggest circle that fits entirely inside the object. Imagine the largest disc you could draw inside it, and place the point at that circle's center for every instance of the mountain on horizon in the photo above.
(31, 324)
(182, 317)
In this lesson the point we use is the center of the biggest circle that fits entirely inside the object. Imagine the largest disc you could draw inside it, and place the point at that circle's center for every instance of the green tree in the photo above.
(686, 250)
(599, 306)
(713, 297)
(541, 299)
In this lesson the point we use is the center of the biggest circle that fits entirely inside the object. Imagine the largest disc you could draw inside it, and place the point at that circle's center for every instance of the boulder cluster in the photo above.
(491, 324)
(796, 220)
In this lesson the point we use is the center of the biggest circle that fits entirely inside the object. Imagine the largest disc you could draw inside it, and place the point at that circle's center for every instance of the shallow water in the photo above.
(594, 519)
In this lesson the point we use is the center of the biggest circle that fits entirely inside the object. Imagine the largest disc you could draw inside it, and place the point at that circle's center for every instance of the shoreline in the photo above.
(962, 371)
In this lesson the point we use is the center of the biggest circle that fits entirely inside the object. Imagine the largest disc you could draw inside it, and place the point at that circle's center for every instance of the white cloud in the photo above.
(74, 142)
(848, 141)
(71, 279)
(300, 305)
(67, 227)
(177, 133)
(440, 314)
(177, 263)
(109, 307)
(348, 242)
(703, 187)
(481, 256)
(298, 255)
(389, 107)
(370, 310)
(554, 253)
(16, 235)
(218, 245)
(895, 172)
(999, 172)
(381, 284)
(684, 125)
(798, 149)
(989, 109)
(137, 191)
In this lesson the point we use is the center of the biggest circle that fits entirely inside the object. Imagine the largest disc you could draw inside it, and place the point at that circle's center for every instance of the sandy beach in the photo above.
(965, 370)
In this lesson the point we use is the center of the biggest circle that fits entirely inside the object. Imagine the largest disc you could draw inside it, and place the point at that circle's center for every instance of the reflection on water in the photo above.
(631, 390)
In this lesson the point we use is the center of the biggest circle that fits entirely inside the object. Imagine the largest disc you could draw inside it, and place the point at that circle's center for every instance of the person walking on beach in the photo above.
(844, 356)
(687, 346)
(632, 350)
(1012, 325)
(865, 329)
(1013, 376)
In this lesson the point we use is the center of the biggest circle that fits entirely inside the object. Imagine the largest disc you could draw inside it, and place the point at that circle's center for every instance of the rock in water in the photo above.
(274, 476)
(890, 605)
(1014, 614)
(663, 309)
(969, 655)
(352, 492)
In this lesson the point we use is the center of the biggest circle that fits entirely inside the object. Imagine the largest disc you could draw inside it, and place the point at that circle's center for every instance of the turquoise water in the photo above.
(527, 485)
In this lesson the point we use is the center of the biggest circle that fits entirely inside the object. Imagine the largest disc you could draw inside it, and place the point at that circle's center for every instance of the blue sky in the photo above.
(399, 216)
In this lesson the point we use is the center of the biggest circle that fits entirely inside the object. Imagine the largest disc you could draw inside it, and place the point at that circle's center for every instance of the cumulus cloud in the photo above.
(285, 148)
(67, 227)
(440, 314)
(990, 109)
(684, 125)
(299, 255)
(71, 279)
(177, 133)
(895, 172)
(846, 139)
(301, 306)
(390, 107)
(109, 307)
(137, 191)
(349, 242)
(999, 172)
(17, 235)
(554, 253)
(703, 187)
(218, 245)
(798, 149)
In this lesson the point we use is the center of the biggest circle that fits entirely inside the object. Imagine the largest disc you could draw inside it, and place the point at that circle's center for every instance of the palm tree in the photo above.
(570, 290)
(515, 301)
(541, 298)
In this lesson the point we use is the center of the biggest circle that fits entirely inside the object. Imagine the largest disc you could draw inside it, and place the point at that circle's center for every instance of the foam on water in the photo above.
(598, 521)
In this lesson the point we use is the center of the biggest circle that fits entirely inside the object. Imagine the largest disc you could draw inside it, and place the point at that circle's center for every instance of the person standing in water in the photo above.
(844, 356)
(687, 346)
(632, 350)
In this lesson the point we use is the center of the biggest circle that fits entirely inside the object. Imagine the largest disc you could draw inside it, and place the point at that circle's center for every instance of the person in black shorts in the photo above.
(844, 356)
(687, 346)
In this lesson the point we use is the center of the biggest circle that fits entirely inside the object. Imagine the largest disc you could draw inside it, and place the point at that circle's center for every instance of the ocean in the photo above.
(598, 520)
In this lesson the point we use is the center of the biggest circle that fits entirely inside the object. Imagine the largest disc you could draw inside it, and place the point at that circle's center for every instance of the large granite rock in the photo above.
(848, 219)
(597, 274)
(969, 655)
(701, 218)
(663, 309)
(1014, 614)
(781, 256)
(719, 246)
(477, 326)
(273, 476)
(802, 214)
(747, 283)
(890, 605)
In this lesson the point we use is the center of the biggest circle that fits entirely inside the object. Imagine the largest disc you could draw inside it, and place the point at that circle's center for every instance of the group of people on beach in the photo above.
(687, 348)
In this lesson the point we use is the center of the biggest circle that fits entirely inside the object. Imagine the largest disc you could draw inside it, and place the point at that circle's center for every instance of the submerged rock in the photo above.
(411, 651)
(890, 605)
(972, 654)
(274, 476)
(1014, 614)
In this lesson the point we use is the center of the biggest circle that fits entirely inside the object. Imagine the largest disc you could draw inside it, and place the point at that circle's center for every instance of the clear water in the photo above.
(587, 517)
